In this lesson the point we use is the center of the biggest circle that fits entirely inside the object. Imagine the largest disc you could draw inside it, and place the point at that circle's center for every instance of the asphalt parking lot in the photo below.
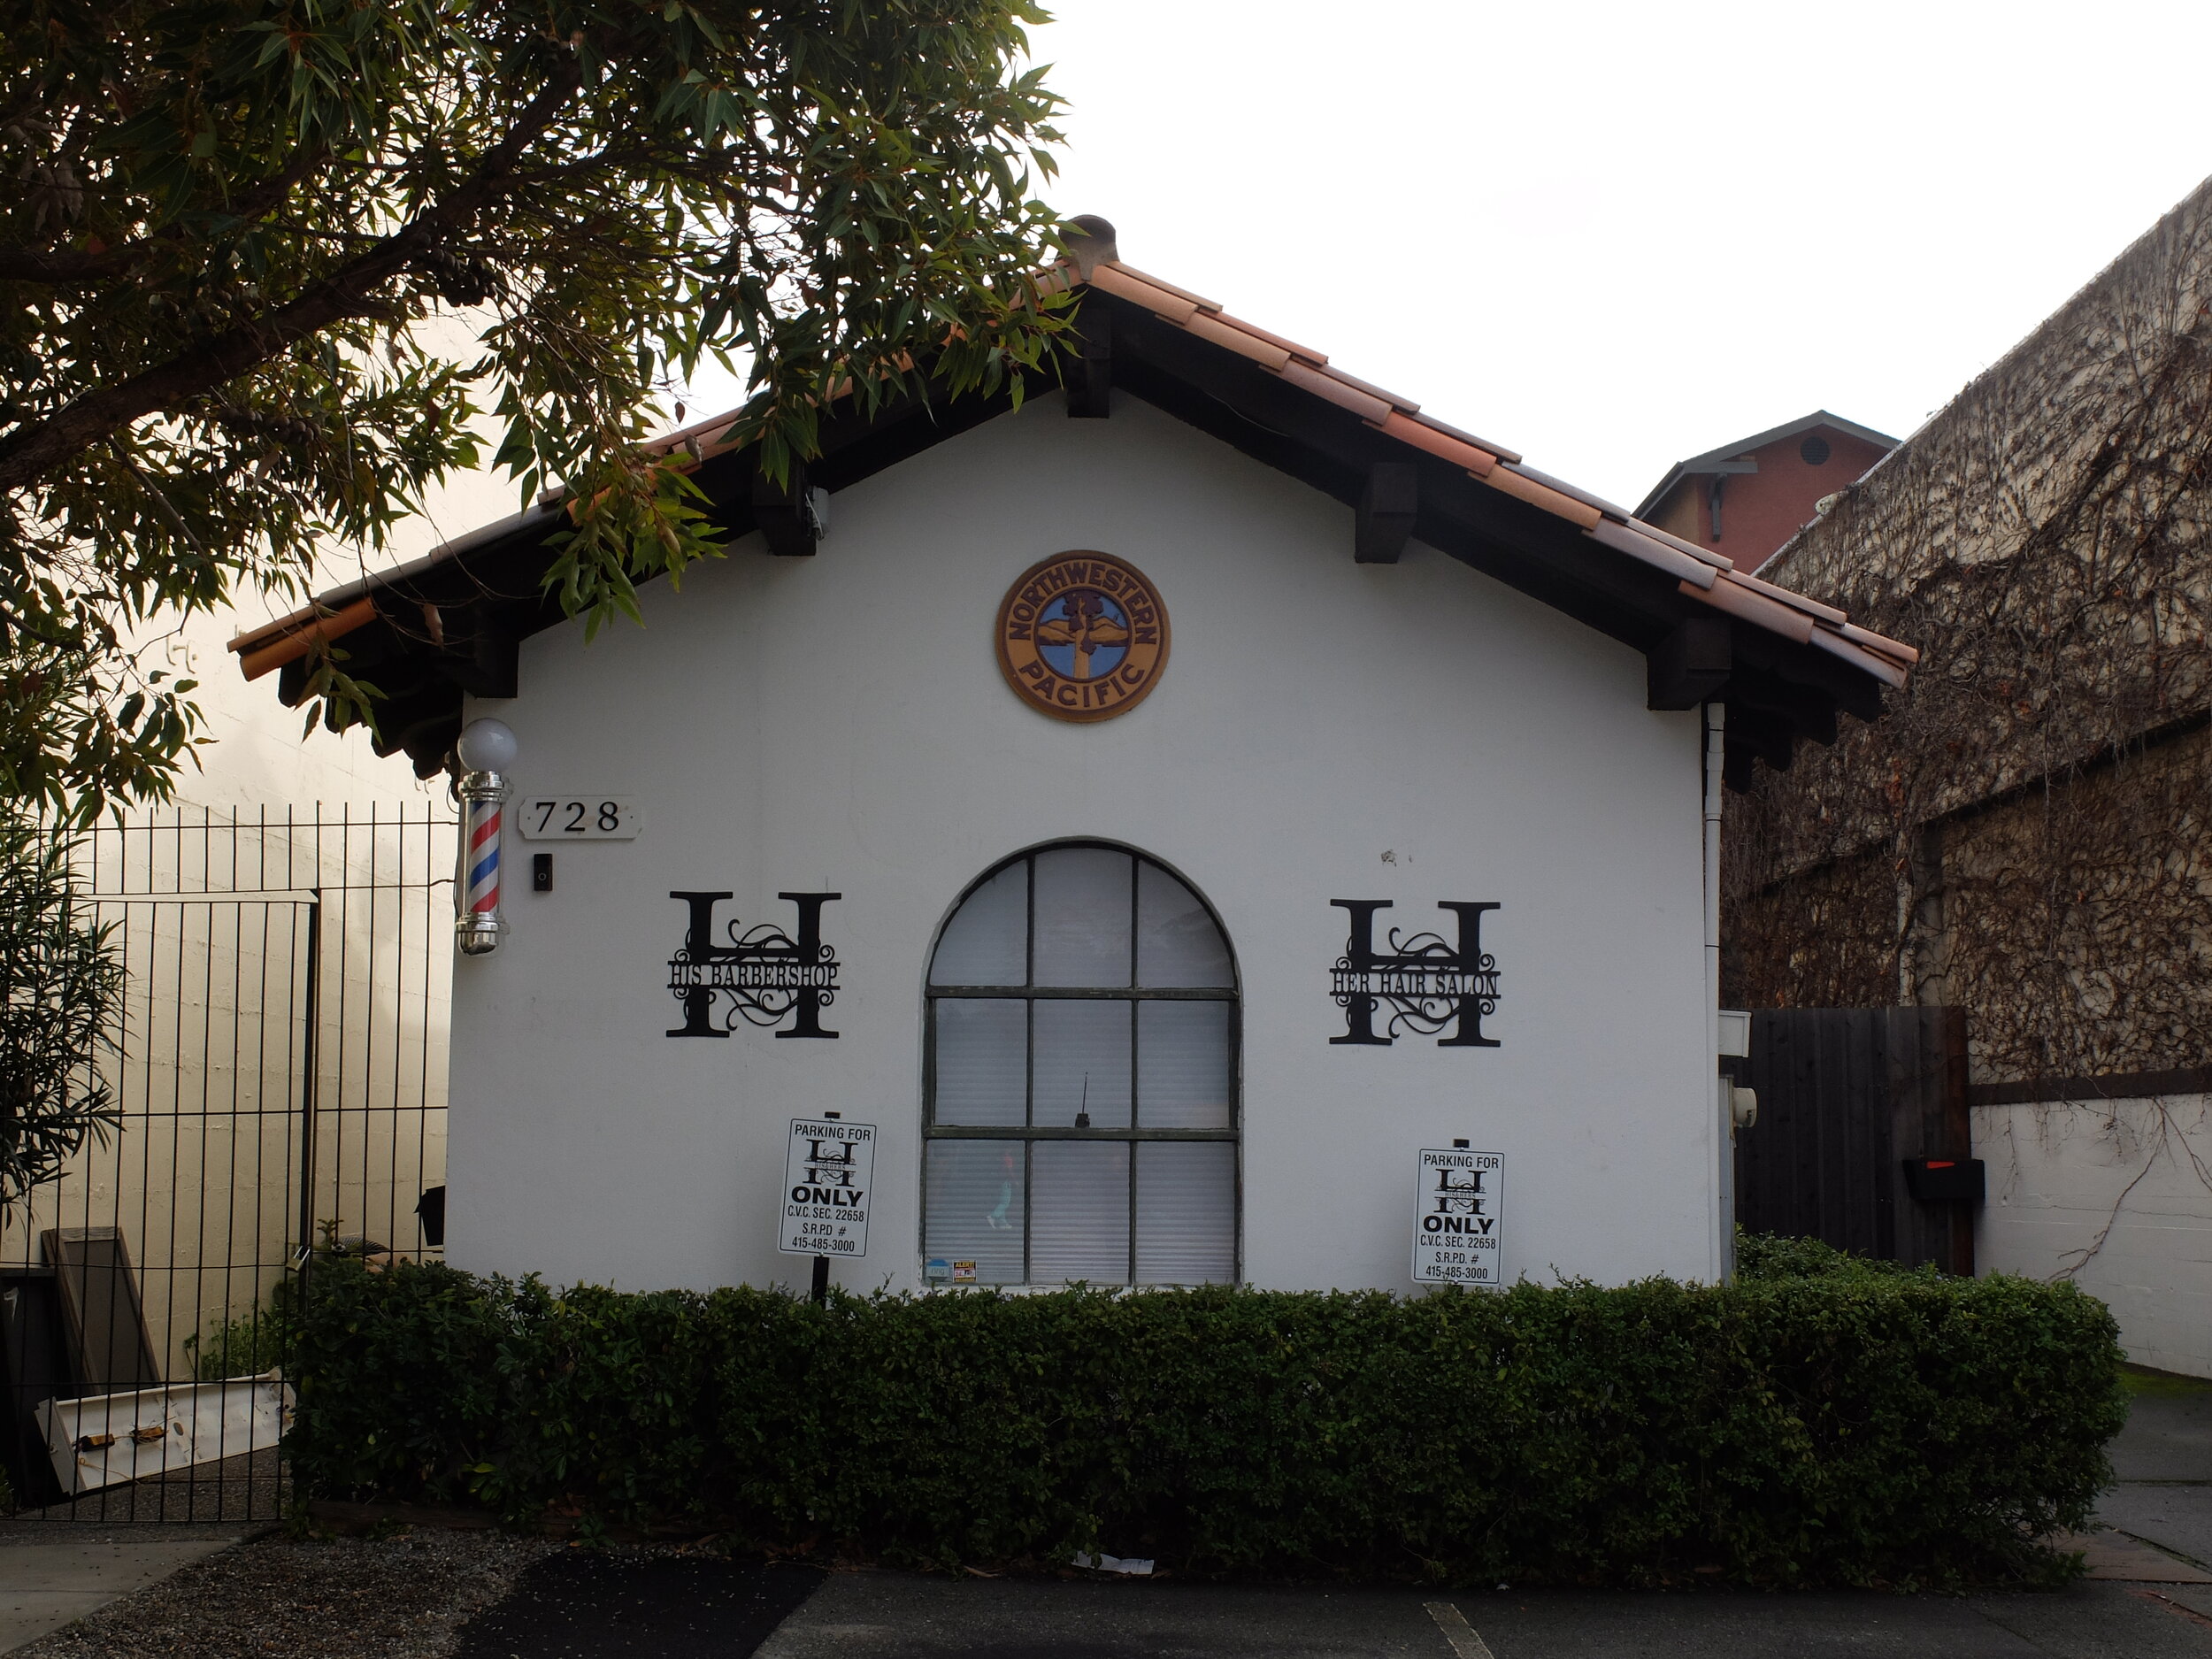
(883, 1615)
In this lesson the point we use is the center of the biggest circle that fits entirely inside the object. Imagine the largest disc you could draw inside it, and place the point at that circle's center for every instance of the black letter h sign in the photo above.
(768, 976)
(1425, 984)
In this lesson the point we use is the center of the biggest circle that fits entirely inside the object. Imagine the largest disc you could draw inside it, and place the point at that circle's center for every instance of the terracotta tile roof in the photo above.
(1707, 577)
(1704, 576)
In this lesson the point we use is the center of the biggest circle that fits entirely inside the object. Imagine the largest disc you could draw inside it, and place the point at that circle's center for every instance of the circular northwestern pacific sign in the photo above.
(1082, 636)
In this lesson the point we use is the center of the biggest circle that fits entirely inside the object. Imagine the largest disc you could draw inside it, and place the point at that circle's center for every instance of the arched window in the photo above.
(1080, 1091)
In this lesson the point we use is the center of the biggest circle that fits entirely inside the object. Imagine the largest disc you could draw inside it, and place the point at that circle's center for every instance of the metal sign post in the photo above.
(829, 1169)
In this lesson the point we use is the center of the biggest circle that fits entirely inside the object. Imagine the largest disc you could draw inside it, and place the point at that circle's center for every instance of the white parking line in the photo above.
(1461, 1635)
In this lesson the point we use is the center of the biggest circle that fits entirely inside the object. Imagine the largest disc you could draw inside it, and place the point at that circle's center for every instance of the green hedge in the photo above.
(1810, 1424)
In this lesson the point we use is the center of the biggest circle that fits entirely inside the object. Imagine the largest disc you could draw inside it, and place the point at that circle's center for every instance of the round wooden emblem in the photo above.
(1082, 636)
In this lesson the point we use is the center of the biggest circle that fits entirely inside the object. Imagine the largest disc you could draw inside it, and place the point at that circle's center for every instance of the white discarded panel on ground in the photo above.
(1458, 1219)
(828, 1173)
(111, 1439)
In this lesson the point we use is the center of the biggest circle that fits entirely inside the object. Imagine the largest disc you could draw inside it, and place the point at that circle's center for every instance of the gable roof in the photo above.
(1726, 458)
(447, 623)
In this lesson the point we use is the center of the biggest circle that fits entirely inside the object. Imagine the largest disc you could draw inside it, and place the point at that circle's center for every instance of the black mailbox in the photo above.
(1946, 1180)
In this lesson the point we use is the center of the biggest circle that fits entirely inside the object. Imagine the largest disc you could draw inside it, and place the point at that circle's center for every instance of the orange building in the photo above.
(1746, 498)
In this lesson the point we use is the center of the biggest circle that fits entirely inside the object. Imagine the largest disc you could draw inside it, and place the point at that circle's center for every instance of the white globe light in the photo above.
(487, 746)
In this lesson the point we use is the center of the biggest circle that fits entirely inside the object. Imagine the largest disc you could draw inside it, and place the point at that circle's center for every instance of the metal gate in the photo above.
(282, 1083)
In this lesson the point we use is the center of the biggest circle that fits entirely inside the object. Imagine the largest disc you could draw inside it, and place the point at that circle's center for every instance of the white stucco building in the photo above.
(1162, 810)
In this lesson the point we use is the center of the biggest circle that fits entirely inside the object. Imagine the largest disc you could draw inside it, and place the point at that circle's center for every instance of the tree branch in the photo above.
(21, 264)
(260, 198)
(30, 454)
(55, 270)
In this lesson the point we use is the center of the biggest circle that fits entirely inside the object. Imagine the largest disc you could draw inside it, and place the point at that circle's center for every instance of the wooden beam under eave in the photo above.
(1260, 415)
(1809, 713)
(489, 666)
(1091, 374)
(785, 515)
(1768, 737)
(1738, 767)
(1690, 665)
(426, 741)
(1850, 690)
(1386, 509)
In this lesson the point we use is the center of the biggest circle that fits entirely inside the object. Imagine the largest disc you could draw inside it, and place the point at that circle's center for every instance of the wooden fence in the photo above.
(1846, 1096)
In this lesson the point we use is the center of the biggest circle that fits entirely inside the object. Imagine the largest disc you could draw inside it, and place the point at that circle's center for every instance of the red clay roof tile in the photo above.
(1304, 354)
(1479, 442)
(1373, 390)
(1373, 411)
(1621, 514)
(1420, 434)
(1559, 504)
(1626, 539)
(1729, 594)
(1199, 300)
(1155, 297)
(1243, 342)
(1874, 641)
(1876, 663)
(1703, 575)
(1718, 561)
(1795, 600)
(284, 646)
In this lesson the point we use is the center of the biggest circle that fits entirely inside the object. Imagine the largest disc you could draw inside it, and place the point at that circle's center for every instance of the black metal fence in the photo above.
(281, 1081)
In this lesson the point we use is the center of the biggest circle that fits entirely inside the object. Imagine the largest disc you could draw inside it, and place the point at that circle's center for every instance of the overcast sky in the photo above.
(1615, 235)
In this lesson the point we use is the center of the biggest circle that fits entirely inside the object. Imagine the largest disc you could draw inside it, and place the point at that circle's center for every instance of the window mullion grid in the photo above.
(1236, 1132)
(1029, 1063)
(929, 1066)
(929, 1119)
(1077, 993)
(1136, 1099)
(1003, 1131)
(1029, 994)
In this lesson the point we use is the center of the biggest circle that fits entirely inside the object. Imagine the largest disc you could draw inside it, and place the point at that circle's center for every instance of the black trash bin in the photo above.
(431, 1207)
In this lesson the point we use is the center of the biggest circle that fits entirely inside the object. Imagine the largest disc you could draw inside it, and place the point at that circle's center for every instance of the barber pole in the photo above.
(486, 750)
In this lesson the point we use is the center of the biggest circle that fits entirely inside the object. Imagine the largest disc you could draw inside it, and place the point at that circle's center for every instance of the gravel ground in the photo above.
(249, 1487)
(345, 1598)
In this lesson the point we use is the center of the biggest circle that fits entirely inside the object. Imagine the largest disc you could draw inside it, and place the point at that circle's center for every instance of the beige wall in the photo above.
(204, 1178)
(1677, 515)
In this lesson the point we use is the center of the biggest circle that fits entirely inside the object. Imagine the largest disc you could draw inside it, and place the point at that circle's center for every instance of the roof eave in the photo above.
(1266, 396)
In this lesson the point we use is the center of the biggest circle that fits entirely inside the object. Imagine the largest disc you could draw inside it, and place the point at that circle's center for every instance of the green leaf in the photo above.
(816, 189)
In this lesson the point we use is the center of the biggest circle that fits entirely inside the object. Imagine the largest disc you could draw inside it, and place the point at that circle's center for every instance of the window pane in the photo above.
(985, 942)
(1083, 905)
(1178, 944)
(1187, 1212)
(1082, 1055)
(1183, 1066)
(973, 1193)
(1080, 1212)
(982, 1060)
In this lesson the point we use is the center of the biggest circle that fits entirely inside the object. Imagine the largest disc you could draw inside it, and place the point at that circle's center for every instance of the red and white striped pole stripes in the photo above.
(484, 753)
